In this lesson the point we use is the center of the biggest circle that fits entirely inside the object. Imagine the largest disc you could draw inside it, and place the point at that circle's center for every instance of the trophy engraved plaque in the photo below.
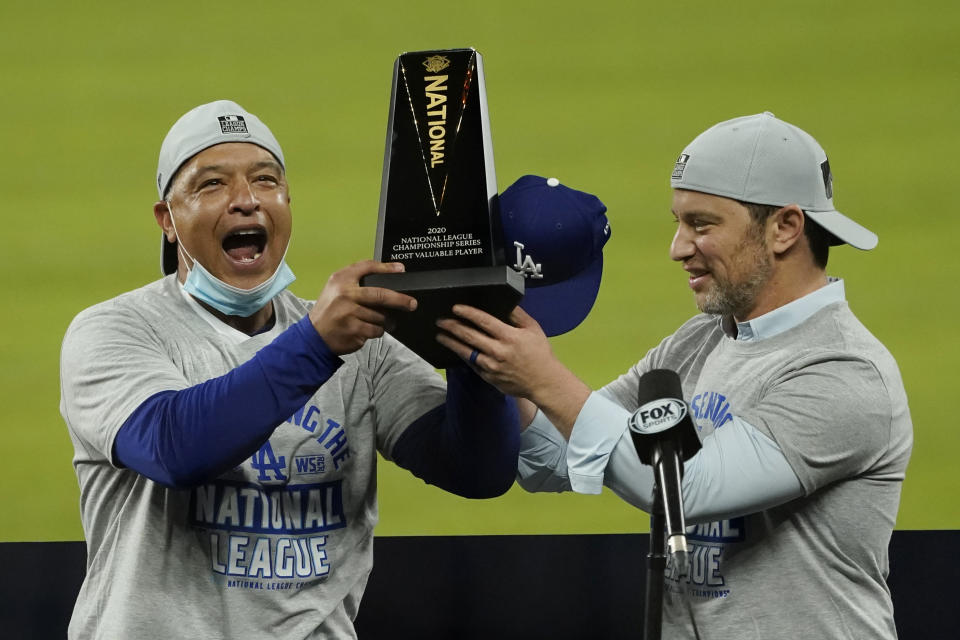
(439, 211)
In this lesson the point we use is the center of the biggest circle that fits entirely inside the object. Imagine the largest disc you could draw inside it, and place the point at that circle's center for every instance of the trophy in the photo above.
(439, 212)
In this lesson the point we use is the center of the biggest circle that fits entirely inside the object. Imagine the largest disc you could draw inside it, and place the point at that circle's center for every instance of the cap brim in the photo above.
(560, 307)
(845, 229)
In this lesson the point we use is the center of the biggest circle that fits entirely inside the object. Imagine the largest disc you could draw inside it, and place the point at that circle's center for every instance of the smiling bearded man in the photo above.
(735, 280)
(801, 412)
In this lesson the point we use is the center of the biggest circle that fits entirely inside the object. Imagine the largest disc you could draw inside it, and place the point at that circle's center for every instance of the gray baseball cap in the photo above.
(201, 128)
(764, 160)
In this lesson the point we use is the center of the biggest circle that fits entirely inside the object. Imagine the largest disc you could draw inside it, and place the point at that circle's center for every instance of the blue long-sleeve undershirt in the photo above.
(182, 438)
(474, 435)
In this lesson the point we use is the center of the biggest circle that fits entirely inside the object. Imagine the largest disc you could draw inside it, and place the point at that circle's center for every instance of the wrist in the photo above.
(316, 345)
(561, 397)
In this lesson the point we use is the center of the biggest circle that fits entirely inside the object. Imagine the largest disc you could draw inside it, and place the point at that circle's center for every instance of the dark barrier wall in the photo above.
(525, 587)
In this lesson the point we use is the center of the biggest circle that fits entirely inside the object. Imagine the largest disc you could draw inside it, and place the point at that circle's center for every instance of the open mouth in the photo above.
(245, 245)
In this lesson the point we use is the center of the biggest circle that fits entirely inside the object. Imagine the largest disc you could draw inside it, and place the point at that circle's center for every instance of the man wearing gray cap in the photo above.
(226, 431)
(801, 412)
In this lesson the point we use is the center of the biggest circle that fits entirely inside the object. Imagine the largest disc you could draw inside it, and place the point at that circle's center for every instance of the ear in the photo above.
(786, 228)
(161, 211)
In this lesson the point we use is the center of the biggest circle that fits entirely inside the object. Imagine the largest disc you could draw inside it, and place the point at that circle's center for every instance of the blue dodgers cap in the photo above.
(555, 236)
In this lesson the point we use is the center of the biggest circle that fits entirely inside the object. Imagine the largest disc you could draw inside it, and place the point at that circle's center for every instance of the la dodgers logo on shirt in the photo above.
(266, 462)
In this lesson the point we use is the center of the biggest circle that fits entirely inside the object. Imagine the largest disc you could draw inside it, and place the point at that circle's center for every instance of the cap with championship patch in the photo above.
(555, 236)
(200, 128)
(763, 160)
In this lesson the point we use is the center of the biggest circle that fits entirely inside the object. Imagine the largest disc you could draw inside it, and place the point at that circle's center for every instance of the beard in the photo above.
(736, 296)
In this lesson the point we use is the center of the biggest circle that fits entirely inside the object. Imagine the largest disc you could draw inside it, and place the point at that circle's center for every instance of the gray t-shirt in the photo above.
(280, 546)
(830, 395)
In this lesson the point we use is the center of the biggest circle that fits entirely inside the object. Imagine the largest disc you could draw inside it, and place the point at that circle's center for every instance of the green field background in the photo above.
(603, 95)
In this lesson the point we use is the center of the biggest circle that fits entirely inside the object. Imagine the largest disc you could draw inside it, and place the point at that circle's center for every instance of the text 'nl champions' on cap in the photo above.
(761, 159)
(555, 235)
(201, 128)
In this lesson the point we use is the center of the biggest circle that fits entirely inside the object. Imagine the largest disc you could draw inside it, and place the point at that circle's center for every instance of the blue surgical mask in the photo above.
(226, 298)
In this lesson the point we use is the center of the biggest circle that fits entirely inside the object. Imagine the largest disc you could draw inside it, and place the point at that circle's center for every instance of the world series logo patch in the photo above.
(232, 124)
(436, 64)
(827, 178)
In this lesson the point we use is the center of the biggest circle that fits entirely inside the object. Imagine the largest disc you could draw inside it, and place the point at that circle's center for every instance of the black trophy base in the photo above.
(496, 290)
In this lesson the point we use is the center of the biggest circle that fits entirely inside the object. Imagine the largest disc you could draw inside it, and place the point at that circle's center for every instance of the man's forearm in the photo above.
(469, 445)
(180, 438)
(561, 397)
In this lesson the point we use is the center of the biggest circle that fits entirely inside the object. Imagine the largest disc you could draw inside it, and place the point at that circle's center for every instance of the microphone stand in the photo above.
(664, 437)
(656, 565)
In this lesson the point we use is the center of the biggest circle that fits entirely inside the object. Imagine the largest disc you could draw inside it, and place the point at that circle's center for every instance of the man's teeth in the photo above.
(248, 233)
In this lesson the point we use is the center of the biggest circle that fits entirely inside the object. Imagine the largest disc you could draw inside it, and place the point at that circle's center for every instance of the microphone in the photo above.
(664, 437)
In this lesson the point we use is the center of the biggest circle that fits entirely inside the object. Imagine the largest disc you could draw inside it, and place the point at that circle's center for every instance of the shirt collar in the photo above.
(790, 314)
(234, 335)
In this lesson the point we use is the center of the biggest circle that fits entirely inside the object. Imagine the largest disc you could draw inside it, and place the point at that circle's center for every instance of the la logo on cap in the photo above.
(525, 263)
(558, 235)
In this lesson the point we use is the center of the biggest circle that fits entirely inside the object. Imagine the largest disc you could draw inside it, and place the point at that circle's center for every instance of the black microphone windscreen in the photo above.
(662, 414)
(659, 383)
